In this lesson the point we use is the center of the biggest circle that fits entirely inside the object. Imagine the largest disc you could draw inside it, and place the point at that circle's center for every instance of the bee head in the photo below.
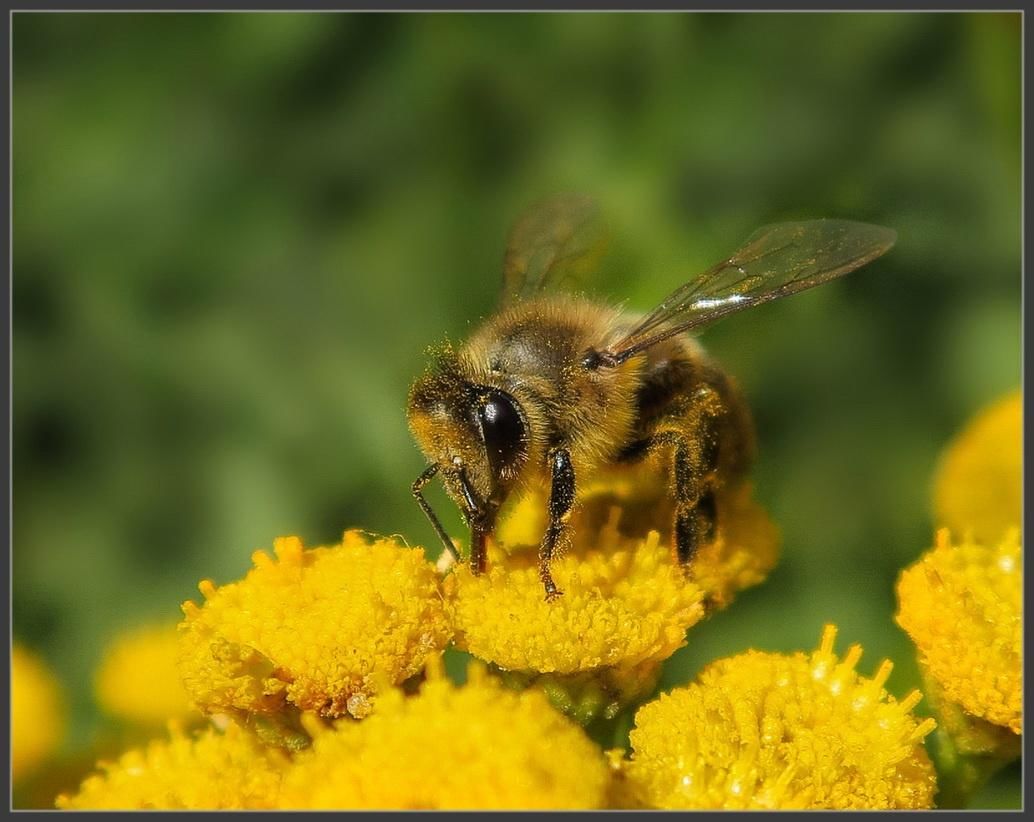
(464, 425)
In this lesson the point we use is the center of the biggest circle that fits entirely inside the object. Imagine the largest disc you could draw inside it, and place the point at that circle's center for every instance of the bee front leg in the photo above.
(478, 554)
(481, 519)
(561, 498)
(418, 494)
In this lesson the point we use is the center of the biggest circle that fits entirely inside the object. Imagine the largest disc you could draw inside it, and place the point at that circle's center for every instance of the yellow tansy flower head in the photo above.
(626, 606)
(37, 712)
(977, 487)
(138, 679)
(962, 605)
(475, 746)
(213, 770)
(314, 630)
(765, 730)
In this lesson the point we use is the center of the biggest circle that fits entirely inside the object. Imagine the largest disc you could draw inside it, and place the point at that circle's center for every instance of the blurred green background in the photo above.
(235, 234)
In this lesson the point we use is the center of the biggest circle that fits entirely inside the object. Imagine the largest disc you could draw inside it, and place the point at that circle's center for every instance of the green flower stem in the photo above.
(960, 775)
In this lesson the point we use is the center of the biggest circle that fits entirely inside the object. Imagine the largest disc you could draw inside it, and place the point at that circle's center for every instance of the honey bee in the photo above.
(554, 386)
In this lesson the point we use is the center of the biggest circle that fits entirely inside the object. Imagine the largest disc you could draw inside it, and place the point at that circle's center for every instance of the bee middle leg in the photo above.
(561, 498)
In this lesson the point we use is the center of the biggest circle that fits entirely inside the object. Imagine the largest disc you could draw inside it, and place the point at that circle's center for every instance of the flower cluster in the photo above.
(321, 671)
(961, 601)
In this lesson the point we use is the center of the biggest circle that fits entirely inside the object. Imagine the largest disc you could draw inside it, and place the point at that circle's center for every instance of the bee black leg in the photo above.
(561, 498)
(707, 515)
(478, 553)
(693, 526)
(695, 506)
(418, 494)
(480, 518)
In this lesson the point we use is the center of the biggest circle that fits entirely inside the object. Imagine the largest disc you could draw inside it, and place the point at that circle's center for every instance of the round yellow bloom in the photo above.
(962, 606)
(213, 770)
(37, 712)
(317, 630)
(625, 602)
(138, 679)
(626, 605)
(764, 730)
(476, 746)
(977, 486)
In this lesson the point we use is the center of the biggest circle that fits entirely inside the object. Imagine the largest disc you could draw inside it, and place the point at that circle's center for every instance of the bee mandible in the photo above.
(555, 386)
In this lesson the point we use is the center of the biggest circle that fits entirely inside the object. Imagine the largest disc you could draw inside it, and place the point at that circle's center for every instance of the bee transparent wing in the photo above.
(776, 261)
(554, 243)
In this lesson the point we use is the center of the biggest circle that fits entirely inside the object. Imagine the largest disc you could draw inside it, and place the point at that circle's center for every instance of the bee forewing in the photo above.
(776, 261)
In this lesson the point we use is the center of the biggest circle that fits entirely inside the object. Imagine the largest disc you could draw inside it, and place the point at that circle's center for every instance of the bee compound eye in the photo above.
(503, 431)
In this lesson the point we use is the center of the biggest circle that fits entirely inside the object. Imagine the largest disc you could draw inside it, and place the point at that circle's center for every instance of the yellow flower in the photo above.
(138, 679)
(314, 630)
(626, 608)
(977, 487)
(476, 746)
(212, 770)
(764, 730)
(37, 712)
(626, 605)
(962, 606)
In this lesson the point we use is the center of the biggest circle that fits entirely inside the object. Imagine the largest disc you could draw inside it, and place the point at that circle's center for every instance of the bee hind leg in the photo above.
(694, 525)
(695, 463)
